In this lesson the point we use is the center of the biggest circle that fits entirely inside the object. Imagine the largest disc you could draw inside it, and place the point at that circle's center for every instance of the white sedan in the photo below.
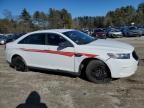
(72, 51)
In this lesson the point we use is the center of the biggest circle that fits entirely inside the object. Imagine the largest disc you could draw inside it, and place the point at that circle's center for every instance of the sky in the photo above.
(75, 7)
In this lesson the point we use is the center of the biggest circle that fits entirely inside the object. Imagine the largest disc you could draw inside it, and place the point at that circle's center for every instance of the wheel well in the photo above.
(84, 63)
(16, 55)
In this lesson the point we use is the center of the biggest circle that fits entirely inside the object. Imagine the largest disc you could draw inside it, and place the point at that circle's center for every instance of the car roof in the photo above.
(53, 30)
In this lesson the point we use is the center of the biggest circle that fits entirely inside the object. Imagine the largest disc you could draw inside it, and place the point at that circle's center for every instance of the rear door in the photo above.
(32, 49)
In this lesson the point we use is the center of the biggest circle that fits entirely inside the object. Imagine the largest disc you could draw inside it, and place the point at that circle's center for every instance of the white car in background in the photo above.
(114, 33)
(72, 51)
(2, 39)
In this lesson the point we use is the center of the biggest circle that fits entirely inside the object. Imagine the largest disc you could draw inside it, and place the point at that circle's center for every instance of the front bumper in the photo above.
(122, 68)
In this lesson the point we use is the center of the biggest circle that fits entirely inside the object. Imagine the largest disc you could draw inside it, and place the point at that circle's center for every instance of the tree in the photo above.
(25, 21)
(7, 26)
(54, 18)
(59, 18)
(140, 14)
(99, 21)
(40, 20)
(75, 24)
(66, 18)
(25, 16)
(122, 16)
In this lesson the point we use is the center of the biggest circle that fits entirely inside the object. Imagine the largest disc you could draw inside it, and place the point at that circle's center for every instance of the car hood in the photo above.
(111, 44)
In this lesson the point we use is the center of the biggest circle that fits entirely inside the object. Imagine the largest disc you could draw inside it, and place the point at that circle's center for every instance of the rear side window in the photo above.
(35, 39)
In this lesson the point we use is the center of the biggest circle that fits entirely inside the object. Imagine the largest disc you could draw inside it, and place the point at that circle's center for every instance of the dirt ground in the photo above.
(21, 90)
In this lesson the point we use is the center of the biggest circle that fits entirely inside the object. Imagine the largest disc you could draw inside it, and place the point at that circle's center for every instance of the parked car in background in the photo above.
(72, 51)
(99, 33)
(3, 39)
(8, 35)
(132, 32)
(142, 29)
(114, 33)
(87, 31)
(13, 37)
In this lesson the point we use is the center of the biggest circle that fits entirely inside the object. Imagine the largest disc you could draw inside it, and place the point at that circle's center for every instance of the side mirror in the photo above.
(63, 45)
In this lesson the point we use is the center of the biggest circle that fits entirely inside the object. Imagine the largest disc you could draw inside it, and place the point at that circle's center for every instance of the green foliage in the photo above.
(25, 16)
(119, 17)
(62, 19)
(25, 22)
(140, 14)
(40, 20)
(59, 18)
(7, 26)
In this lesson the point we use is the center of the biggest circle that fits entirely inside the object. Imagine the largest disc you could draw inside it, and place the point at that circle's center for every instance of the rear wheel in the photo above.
(97, 72)
(19, 64)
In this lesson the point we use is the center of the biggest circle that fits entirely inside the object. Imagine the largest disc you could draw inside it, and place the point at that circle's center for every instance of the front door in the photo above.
(60, 54)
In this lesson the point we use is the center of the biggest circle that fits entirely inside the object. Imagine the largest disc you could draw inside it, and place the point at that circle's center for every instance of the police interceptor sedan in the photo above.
(67, 50)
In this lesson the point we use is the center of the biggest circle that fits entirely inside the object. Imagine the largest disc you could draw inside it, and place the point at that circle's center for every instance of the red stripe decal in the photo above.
(69, 54)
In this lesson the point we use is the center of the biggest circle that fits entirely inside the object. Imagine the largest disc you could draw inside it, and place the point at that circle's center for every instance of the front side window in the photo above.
(36, 39)
(79, 37)
(55, 39)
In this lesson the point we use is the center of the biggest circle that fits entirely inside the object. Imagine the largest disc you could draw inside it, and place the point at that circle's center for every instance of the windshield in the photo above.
(79, 37)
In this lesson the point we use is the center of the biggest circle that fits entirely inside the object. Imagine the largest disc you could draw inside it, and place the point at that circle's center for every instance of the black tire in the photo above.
(19, 64)
(97, 72)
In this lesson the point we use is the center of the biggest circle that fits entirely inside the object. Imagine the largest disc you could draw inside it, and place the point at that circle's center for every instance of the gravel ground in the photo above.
(142, 37)
(21, 90)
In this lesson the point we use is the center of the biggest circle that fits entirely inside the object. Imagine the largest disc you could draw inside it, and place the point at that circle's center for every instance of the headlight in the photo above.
(119, 55)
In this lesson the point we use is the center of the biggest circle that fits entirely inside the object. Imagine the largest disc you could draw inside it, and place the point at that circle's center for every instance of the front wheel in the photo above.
(19, 64)
(97, 72)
